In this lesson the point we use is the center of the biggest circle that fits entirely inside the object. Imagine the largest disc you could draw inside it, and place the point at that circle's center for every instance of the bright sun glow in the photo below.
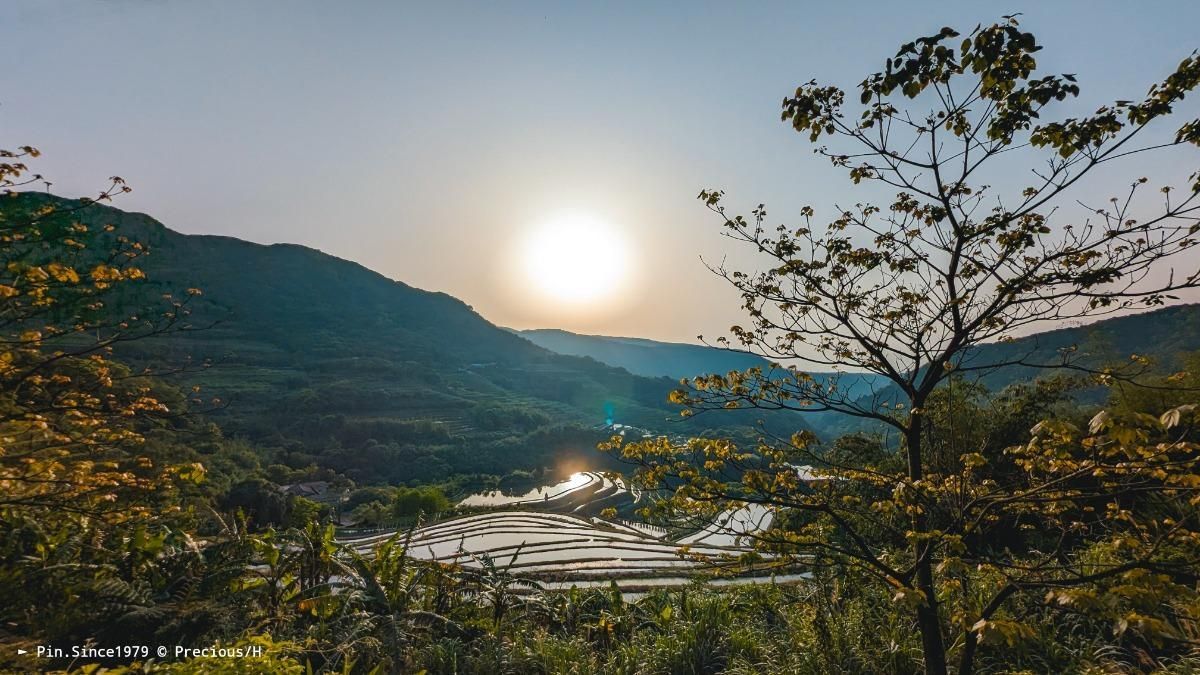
(576, 258)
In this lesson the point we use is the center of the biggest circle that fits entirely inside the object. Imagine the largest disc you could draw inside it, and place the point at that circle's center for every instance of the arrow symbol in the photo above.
(21, 651)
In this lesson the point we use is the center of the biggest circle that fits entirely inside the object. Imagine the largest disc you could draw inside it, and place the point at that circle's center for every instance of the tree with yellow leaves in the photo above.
(78, 487)
(69, 414)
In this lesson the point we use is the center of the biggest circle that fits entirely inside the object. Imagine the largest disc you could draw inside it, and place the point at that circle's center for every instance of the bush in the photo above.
(409, 502)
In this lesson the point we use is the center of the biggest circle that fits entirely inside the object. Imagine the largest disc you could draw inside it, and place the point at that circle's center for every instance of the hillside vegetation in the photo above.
(320, 361)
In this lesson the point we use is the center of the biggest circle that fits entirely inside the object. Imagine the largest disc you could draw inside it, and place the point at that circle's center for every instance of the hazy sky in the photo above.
(425, 140)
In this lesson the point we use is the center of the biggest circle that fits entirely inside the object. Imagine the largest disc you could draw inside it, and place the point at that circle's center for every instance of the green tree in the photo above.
(907, 290)
(411, 502)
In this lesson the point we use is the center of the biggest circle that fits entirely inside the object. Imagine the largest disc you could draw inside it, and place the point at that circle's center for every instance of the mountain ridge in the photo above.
(327, 362)
(1162, 333)
(323, 361)
(643, 356)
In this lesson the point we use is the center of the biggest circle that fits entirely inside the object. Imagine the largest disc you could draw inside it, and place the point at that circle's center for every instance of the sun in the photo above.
(576, 258)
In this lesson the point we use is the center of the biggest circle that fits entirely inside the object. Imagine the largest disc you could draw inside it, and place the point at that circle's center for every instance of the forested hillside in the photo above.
(1154, 343)
(320, 361)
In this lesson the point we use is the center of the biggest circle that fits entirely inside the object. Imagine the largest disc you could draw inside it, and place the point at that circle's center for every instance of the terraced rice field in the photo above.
(550, 535)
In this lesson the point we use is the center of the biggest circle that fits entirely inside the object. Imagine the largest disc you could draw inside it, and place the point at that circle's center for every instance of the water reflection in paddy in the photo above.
(500, 498)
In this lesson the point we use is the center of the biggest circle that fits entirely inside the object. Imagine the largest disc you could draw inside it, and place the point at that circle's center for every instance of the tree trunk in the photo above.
(930, 625)
(966, 664)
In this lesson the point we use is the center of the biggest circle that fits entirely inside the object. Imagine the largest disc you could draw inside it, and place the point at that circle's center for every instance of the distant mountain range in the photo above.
(323, 361)
(1162, 334)
(644, 357)
(676, 360)
(319, 356)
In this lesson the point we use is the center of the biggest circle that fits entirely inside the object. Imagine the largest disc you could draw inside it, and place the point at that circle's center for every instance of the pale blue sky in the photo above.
(421, 140)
